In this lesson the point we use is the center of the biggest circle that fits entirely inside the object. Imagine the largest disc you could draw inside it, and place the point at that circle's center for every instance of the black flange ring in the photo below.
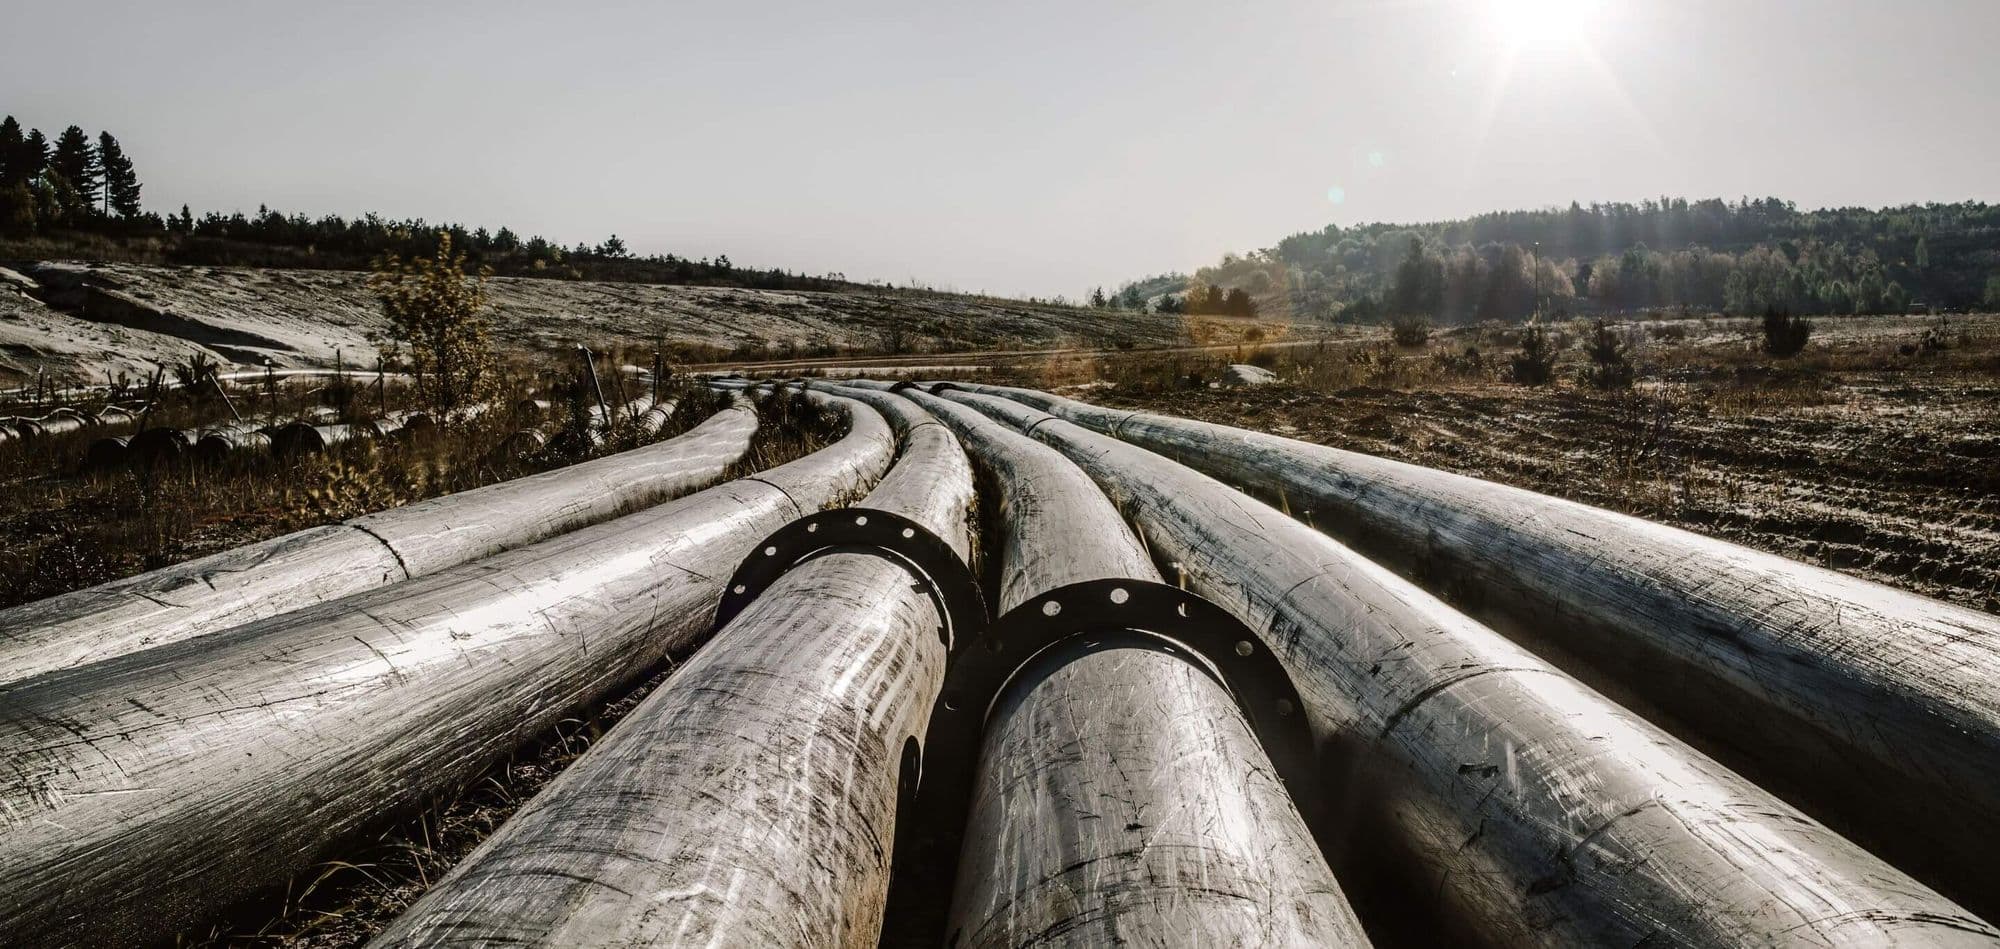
(865, 530)
(1043, 633)
(1040, 636)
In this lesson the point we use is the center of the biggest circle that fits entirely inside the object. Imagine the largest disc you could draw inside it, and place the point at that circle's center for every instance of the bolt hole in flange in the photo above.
(1120, 596)
(1243, 647)
(1051, 608)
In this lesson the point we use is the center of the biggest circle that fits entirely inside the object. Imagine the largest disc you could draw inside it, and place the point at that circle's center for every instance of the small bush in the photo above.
(1535, 364)
(1609, 367)
(1410, 331)
(1784, 334)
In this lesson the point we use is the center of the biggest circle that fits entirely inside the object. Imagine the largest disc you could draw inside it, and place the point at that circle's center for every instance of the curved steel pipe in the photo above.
(216, 445)
(321, 563)
(1876, 709)
(1119, 794)
(1525, 808)
(752, 797)
(649, 422)
(146, 791)
(305, 438)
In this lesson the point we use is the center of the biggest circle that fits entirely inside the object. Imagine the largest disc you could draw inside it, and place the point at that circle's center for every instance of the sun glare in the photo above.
(1544, 24)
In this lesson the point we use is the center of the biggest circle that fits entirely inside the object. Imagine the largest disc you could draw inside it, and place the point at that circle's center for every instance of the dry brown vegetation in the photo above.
(345, 901)
(1876, 451)
(64, 527)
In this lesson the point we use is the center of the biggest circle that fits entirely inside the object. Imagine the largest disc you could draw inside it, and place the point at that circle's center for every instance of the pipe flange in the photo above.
(1044, 633)
(863, 530)
(1040, 636)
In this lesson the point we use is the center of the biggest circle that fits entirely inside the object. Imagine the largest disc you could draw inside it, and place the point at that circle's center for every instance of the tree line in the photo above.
(72, 182)
(64, 194)
(1744, 257)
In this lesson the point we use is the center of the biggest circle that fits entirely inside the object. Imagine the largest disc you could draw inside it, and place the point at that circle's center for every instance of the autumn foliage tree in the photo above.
(434, 312)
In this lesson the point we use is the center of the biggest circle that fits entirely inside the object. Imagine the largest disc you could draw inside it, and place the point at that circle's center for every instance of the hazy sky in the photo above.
(1015, 147)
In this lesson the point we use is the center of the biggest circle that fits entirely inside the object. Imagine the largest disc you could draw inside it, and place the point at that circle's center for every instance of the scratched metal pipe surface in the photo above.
(651, 419)
(1522, 807)
(321, 563)
(751, 799)
(1122, 799)
(1875, 709)
(141, 794)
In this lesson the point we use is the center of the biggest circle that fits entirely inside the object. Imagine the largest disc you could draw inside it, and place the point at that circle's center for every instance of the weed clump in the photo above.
(1609, 366)
(1785, 335)
(1410, 331)
(1535, 364)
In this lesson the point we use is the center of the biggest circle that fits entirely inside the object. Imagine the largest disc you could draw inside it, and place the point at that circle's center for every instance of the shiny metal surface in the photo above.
(1122, 798)
(1515, 805)
(310, 566)
(750, 800)
(145, 791)
(1876, 709)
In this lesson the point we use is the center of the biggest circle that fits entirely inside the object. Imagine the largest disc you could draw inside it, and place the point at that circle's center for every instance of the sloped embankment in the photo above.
(81, 319)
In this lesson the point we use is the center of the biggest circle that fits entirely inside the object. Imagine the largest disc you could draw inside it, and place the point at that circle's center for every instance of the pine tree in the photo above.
(121, 182)
(11, 144)
(34, 156)
(76, 162)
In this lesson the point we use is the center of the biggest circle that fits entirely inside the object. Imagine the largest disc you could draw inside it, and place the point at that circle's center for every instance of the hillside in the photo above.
(76, 320)
(1708, 255)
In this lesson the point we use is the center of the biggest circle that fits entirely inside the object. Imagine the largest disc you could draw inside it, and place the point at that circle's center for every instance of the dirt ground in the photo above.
(79, 321)
(1858, 455)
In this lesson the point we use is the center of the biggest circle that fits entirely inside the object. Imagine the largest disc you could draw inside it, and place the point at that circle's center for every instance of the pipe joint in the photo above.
(945, 577)
(1048, 631)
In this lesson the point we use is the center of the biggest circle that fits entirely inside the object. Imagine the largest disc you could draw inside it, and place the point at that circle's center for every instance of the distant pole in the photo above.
(590, 372)
(1538, 281)
(216, 381)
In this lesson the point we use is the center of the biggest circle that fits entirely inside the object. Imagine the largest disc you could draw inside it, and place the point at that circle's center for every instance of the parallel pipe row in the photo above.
(1118, 784)
(61, 422)
(323, 563)
(145, 791)
(1877, 710)
(1513, 804)
(751, 798)
(1120, 794)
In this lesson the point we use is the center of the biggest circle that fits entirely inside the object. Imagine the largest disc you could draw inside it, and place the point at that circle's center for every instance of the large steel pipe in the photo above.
(321, 563)
(143, 792)
(1875, 709)
(648, 422)
(1120, 794)
(219, 442)
(751, 798)
(1524, 808)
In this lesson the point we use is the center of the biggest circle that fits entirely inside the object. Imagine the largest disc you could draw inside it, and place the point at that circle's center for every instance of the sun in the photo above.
(1544, 24)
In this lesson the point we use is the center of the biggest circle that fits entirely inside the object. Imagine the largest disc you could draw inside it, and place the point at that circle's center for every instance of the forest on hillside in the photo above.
(78, 196)
(1711, 255)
